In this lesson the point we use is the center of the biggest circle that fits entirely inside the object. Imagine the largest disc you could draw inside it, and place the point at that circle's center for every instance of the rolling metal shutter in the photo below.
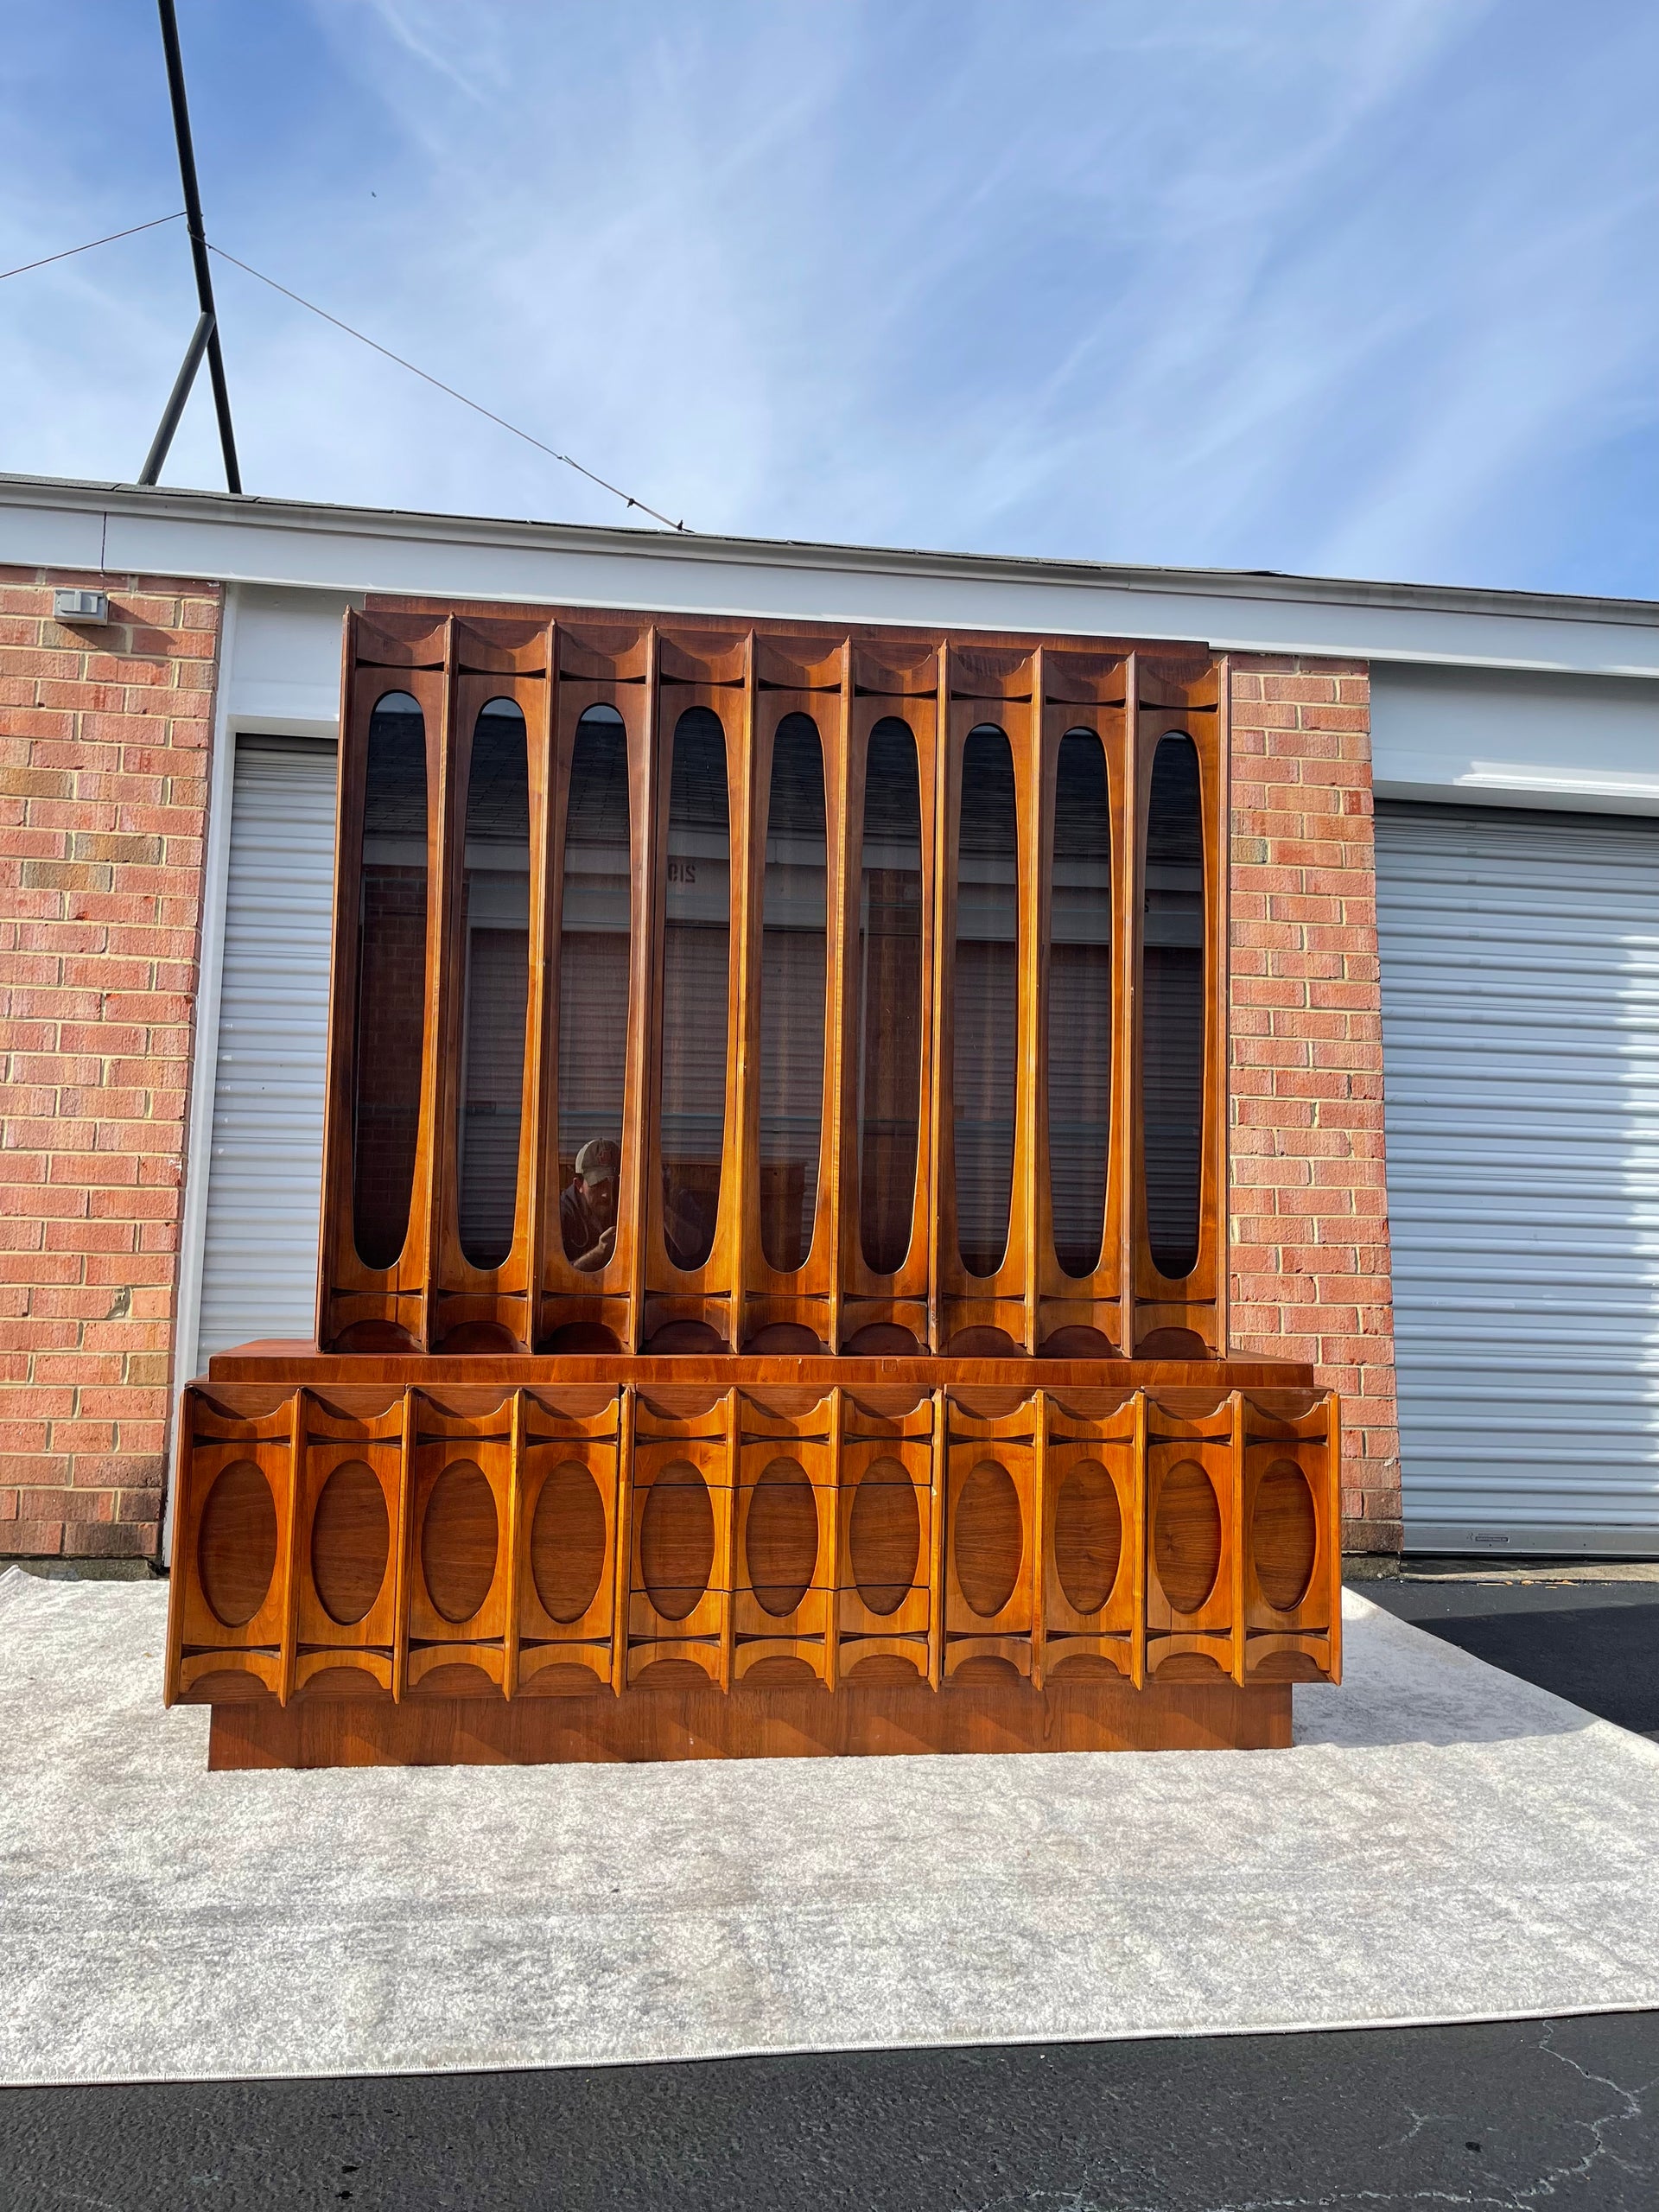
(259, 1263)
(1520, 958)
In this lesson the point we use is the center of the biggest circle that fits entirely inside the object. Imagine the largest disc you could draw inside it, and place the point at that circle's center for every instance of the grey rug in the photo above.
(1444, 1843)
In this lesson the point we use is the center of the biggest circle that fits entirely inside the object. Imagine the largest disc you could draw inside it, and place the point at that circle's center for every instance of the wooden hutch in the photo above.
(869, 1389)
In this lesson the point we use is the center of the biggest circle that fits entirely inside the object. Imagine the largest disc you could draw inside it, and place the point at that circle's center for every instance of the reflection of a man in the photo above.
(588, 1208)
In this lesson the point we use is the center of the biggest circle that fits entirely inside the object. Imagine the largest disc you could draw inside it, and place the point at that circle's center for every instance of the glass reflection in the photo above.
(390, 980)
(1080, 1003)
(793, 995)
(495, 922)
(594, 924)
(1172, 1008)
(889, 982)
(987, 999)
(696, 943)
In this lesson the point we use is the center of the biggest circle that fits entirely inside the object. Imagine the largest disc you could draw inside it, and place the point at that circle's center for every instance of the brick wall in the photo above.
(103, 751)
(1310, 1228)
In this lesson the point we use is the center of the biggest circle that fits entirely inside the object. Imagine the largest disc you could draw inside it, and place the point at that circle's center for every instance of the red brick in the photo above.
(124, 1404)
(79, 1368)
(35, 1538)
(36, 782)
(1309, 1272)
(127, 1470)
(119, 1540)
(103, 797)
(1302, 685)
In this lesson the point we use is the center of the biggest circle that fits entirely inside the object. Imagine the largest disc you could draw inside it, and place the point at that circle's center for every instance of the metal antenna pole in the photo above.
(156, 458)
(204, 277)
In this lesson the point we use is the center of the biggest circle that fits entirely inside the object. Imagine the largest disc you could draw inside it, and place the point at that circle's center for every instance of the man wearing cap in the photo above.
(587, 1209)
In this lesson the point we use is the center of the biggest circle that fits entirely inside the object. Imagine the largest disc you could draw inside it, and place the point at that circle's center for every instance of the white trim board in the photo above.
(1495, 737)
(186, 1301)
(292, 543)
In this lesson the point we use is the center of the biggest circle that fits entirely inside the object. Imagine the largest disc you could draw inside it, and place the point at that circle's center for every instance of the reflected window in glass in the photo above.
(391, 979)
(1172, 1013)
(696, 957)
(595, 921)
(793, 995)
(495, 922)
(889, 983)
(987, 1005)
(1080, 1003)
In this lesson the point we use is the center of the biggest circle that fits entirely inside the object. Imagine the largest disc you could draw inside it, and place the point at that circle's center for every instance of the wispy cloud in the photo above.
(1283, 285)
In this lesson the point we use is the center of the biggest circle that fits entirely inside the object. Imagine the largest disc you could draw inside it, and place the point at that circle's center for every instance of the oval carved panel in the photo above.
(459, 1537)
(1186, 1543)
(884, 1536)
(987, 1538)
(677, 1540)
(1088, 1537)
(567, 1542)
(351, 1542)
(1284, 1535)
(236, 1545)
(780, 1542)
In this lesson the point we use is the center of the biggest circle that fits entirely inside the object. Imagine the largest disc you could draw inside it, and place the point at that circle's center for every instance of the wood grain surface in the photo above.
(811, 1454)
(885, 1720)
(636, 1539)
(891, 994)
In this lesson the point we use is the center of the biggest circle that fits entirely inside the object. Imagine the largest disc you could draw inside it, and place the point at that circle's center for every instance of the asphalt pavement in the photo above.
(1516, 2114)
(1594, 1643)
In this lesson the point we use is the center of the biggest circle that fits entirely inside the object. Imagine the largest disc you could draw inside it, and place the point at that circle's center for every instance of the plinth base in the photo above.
(894, 1720)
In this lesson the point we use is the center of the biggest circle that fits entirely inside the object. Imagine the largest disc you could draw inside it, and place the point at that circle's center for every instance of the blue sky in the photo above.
(1350, 287)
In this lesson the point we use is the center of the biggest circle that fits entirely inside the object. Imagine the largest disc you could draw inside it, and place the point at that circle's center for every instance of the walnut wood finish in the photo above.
(691, 1722)
(523, 1512)
(665, 1527)
(554, 665)
(1160, 1310)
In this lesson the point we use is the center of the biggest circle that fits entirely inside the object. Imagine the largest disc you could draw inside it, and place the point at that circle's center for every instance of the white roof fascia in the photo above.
(124, 529)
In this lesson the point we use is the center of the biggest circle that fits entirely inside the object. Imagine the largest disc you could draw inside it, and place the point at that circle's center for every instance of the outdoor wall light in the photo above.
(81, 605)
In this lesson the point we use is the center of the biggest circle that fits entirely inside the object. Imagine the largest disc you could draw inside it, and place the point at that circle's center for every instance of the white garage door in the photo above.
(259, 1264)
(1521, 1038)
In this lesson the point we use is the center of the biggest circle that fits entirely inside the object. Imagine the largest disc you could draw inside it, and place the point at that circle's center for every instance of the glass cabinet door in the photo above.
(792, 1009)
(987, 1002)
(890, 1040)
(1172, 1008)
(596, 925)
(390, 980)
(696, 960)
(1080, 1003)
(495, 922)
